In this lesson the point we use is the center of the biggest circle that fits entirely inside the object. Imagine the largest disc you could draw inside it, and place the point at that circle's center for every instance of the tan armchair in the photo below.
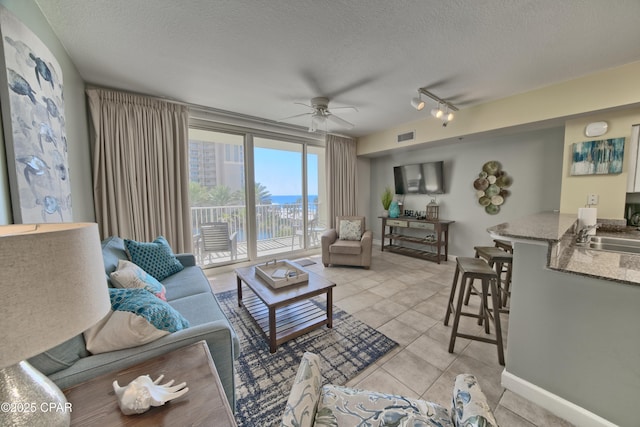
(347, 244)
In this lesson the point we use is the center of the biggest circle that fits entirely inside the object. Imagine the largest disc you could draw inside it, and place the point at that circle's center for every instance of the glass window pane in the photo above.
(216, 191)
(279, 208)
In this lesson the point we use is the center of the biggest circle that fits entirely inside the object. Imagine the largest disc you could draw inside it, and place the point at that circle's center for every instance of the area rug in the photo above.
(263, 380)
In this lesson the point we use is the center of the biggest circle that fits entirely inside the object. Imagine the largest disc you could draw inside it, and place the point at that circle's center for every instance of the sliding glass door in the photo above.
(274, 206)
(217, 194)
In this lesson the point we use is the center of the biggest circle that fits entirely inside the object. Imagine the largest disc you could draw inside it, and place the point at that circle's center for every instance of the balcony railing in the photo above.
(279, 228)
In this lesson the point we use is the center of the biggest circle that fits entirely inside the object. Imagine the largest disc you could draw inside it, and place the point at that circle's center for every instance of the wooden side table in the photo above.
(205, 404)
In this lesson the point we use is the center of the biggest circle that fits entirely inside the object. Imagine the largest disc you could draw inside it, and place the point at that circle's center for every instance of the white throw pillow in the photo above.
(350, 229)
(130, 276)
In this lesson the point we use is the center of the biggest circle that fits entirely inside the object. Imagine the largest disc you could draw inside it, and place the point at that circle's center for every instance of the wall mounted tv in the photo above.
(422, 178)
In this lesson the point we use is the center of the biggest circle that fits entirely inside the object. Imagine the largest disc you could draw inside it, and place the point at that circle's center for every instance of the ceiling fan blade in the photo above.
(302, 103)
(340, 122)
(342, 108)
(293, 117)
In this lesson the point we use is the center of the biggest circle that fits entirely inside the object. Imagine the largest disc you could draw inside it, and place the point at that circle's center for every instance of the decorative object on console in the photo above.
(598, 157)
(34, 126)
(432, 210)
(394, 210)
(53, 287)
(143, 393)
(491, 186)
(386, 199)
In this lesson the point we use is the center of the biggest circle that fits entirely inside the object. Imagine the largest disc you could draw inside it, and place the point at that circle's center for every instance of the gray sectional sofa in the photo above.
(188, 291)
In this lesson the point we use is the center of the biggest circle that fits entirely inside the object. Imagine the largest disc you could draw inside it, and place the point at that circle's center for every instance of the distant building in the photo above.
(212, 164)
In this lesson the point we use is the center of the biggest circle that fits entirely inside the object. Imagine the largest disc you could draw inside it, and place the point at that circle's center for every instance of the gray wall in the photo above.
(533, 159)
(76, 125)
(575, 336)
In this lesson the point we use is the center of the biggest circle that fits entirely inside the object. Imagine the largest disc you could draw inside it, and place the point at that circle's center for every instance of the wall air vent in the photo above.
(407, 136)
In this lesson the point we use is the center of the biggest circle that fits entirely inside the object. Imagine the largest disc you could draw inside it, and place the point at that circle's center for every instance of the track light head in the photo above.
(417, 103)
(437, 113)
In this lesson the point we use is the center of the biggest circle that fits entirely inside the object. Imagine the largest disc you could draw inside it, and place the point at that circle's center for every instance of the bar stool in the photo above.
(504, 245)
(471, 269)
(500, 259)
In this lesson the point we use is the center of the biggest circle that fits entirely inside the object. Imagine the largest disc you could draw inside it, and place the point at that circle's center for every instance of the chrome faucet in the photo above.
(582, 236)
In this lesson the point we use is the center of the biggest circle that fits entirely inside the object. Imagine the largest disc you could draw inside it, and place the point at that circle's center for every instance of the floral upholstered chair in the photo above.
(311, 404)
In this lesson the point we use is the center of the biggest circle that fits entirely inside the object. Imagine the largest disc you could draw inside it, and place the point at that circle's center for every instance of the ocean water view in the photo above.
(287, 200)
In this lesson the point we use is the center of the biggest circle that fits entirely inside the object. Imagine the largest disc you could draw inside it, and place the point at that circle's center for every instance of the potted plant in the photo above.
(386, 199)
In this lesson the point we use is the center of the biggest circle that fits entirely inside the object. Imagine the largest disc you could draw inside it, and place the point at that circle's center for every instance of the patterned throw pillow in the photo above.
(469, 406)
(129, 275)
(156, 258)
(350, 229)
(305, 393)
(136, 318)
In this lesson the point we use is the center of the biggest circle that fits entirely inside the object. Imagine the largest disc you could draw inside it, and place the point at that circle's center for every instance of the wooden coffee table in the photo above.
(287, 312)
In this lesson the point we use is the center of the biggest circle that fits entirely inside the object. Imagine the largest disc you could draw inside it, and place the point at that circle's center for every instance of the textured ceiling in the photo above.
(259, 57)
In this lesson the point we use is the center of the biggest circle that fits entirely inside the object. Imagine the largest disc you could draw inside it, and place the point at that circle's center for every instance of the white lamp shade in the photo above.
(53, 286)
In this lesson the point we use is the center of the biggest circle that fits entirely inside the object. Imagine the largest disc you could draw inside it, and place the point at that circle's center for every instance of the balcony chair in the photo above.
(347, 244)
(214, 237)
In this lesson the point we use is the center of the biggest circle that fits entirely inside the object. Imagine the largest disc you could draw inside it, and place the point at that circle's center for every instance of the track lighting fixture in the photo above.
(444, 111)
(418, 103)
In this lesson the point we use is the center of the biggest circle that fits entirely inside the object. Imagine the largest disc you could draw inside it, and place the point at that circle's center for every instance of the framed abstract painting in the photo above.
(31, 94)
(597, 157)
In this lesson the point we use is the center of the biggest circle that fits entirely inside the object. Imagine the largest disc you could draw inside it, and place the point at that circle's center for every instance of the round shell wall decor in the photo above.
(491, 187)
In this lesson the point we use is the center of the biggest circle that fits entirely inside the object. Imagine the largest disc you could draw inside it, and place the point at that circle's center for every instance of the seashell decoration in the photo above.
(491, 187)
(142, 393)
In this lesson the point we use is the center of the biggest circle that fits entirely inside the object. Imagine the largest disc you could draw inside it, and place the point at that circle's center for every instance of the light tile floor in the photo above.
(406, 299)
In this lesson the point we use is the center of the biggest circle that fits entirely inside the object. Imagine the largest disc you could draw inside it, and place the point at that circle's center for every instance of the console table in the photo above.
(437, 238)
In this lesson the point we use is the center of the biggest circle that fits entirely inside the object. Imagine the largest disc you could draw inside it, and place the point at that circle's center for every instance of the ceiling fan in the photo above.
(320, 114)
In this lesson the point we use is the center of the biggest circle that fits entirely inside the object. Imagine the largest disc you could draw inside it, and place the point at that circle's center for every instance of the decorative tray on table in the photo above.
(282, 273)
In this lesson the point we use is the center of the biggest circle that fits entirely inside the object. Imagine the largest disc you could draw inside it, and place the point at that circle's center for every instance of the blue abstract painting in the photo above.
(34, 126)
(597, 157)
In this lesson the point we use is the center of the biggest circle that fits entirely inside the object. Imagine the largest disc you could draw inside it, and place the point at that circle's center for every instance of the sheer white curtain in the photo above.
(141, 168)
(341, 177)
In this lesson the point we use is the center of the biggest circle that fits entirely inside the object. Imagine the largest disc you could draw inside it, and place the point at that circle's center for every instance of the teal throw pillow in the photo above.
(136, 317)
(156, 258)
(144, 304)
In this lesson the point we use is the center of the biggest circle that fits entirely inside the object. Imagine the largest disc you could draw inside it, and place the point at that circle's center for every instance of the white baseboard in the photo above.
(553, 403)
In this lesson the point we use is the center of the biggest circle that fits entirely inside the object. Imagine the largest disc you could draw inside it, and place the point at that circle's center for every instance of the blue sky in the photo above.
(281, 171)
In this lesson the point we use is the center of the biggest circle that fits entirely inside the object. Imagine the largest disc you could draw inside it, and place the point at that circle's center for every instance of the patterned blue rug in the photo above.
(263, 380)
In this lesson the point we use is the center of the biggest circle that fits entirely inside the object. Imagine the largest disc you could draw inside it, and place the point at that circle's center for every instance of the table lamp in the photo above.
(52, 288)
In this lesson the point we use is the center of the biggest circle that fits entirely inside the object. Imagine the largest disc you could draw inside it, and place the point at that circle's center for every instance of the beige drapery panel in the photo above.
(341, 177)
(141, 168)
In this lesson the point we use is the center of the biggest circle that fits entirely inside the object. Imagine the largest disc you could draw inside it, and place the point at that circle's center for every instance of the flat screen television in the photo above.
(421, 178)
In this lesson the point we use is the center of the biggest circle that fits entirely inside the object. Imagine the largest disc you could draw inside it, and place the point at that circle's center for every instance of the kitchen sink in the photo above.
(614, 244)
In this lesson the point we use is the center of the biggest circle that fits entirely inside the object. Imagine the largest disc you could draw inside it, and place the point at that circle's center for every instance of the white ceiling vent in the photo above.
(407, 136)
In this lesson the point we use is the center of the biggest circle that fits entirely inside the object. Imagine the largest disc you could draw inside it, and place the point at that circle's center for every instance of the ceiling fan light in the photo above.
(417, 103)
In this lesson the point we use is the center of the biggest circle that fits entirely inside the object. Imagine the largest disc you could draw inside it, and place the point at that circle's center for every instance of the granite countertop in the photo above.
(557, 230)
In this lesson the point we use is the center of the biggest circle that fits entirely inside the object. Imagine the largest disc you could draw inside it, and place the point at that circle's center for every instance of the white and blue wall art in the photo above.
(597, 157)
(31, 92)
